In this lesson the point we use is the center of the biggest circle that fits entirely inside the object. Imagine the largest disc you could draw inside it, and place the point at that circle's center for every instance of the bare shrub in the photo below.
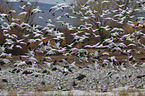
(24, 14)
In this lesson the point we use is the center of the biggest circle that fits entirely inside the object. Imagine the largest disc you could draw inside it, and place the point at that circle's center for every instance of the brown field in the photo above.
(68, 40)
(71, 59)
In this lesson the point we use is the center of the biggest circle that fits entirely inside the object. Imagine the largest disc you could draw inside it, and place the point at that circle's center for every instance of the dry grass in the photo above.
(129, 91)
(1, 86)
(12, 92)
(46, 88)
(123, 92)
(70, 93)
(37, 94)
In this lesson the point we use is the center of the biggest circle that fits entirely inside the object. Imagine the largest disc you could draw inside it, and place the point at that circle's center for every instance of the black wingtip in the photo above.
(81, 76)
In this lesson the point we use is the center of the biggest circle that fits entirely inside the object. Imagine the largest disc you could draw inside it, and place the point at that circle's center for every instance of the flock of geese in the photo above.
(82, 54)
